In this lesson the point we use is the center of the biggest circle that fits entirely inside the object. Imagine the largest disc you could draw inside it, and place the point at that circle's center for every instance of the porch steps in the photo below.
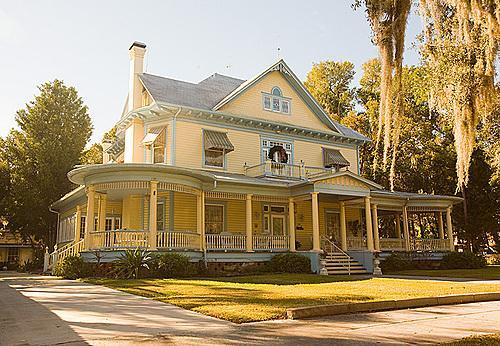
(339, 264)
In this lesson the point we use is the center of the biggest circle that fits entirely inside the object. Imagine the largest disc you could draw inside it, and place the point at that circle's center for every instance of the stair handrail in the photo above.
(335, 248)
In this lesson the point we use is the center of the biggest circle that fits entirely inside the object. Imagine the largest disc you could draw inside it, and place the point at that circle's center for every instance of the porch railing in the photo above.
(271, 242)
(429, 244)
(356, 243)
(119, 239)
(232, 242)
(178, 240)
(73, 248)
(392, 244)
(285, 170)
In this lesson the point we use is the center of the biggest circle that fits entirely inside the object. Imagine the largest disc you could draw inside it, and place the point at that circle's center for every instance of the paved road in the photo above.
(37, 310)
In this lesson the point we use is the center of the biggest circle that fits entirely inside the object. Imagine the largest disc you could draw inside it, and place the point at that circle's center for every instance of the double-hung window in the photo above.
(214, 218)
(155, 141)
(276, 102)
(215, 147)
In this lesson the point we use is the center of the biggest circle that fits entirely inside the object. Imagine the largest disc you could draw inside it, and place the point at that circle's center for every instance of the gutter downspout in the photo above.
(174, 135)
(58, 219)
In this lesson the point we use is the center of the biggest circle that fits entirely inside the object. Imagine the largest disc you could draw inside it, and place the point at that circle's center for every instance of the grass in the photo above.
(488, 273)
(477, 340)
(265, 297)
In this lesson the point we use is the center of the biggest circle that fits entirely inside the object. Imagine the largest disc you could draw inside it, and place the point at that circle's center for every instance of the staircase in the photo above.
(59, 254)
(338, 262)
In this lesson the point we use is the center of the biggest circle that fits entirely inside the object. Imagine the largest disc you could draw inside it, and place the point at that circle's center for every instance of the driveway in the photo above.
(37, 310)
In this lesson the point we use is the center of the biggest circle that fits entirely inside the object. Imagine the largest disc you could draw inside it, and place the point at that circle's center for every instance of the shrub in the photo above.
(290, 263)
(462, 260)
(493, 259)
(396, 262)
(171, 265)
(131, 262)
(72, 267)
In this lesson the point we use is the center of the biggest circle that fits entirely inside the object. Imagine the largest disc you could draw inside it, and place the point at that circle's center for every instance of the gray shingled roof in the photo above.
(204, 95)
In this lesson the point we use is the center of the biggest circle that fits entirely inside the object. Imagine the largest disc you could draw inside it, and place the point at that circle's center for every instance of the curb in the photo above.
(383, 305)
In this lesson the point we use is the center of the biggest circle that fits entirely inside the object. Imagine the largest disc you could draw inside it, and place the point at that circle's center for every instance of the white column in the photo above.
(89, 219)
(449, 228)
(203, 238)
(102, 212)
(376, 238)
(198, 218)
(343, 228)
(406, 230)
(78, 222)
(153, 201)
(439, 216)
(291, 223)
(369, 228)
(248, 224)
(315, 221)
(398, 226)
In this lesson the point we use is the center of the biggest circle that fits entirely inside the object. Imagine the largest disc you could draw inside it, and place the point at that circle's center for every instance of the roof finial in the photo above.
(279, 50)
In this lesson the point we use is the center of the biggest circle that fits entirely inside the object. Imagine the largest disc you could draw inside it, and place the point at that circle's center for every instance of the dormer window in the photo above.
(275, 101)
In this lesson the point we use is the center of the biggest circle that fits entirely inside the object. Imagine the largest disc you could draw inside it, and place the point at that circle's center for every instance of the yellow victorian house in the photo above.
(234, 171)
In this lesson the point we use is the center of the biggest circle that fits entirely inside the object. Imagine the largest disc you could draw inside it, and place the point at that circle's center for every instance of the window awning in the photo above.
(152, 134)
(217, 140)
(333, 157)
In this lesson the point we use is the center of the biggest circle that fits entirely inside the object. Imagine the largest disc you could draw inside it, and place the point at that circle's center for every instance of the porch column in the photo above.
(439, 216)
(406, 230)
(153, 201)
(200, 218)
(78, 222)
(398, 226)
(376, 238)
(449, 228)
(343, 229)
(315, 221)
(369, 228)
(103, 201)
(248, 224)
(89, 219)
(291, 223)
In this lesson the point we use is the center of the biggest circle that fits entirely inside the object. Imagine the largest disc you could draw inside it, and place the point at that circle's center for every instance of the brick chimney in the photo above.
(136, 53)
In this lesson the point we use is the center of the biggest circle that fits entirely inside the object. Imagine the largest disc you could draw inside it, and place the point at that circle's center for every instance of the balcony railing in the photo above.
(271, 242)
(119, 239)
(179, 240)
(285, 170)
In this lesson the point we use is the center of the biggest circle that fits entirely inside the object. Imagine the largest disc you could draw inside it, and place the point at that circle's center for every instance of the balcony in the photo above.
(272, 169)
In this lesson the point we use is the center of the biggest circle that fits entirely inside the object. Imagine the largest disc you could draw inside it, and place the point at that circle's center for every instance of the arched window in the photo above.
(275, 101)
(276, 91)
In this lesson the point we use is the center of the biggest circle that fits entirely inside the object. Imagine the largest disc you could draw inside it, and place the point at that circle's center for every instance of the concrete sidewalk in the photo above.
(45, 311)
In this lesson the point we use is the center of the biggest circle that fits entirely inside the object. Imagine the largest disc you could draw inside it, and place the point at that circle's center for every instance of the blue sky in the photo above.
(85, 44)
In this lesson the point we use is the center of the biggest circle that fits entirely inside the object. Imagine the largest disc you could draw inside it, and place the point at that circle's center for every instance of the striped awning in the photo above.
(152, 134)
(333, 157)
(217, 140)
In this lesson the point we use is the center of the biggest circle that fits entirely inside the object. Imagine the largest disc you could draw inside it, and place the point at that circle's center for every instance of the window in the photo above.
(216, 145)
(267, 144)
(214, 218)
(275, 101)
(82, 227)
(214, 158)
(155, 143)
(118, 223)
(109, 224)
(13, 255)
(96, 224)
(160, 216)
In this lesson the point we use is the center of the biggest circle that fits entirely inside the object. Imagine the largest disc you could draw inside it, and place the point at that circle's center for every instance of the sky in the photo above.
(86, 43)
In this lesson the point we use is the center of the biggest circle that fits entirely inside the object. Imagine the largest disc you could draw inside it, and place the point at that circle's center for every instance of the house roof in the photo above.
(205, 94)
(217, 90)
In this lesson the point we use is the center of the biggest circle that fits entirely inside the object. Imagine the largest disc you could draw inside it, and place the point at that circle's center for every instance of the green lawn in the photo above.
(264, 297)
(478, 340)
(488, 273)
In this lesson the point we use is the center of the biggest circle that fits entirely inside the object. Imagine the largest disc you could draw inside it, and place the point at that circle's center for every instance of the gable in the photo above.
(250, 103)
(344, 181)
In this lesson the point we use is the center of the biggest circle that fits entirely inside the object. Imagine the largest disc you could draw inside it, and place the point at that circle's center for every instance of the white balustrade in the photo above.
(271, 242)
(119, 239)
(178, 240)
(429, 245)
(356, 243)
(234, 242)
(392, 244)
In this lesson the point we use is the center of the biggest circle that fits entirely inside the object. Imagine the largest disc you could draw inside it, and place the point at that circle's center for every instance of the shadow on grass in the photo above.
(288, 279)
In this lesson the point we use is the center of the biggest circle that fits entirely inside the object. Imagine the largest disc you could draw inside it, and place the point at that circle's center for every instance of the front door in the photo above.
(332, 222)
(278, 225)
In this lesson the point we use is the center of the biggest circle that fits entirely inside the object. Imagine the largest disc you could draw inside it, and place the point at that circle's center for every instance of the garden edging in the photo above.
(346, 308)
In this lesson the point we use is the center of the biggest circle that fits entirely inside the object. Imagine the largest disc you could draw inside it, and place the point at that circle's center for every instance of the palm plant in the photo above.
(131, 261)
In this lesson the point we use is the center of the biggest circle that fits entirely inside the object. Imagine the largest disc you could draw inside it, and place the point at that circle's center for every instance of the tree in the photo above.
(329, 82)
(53, 131)
(92, 155)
